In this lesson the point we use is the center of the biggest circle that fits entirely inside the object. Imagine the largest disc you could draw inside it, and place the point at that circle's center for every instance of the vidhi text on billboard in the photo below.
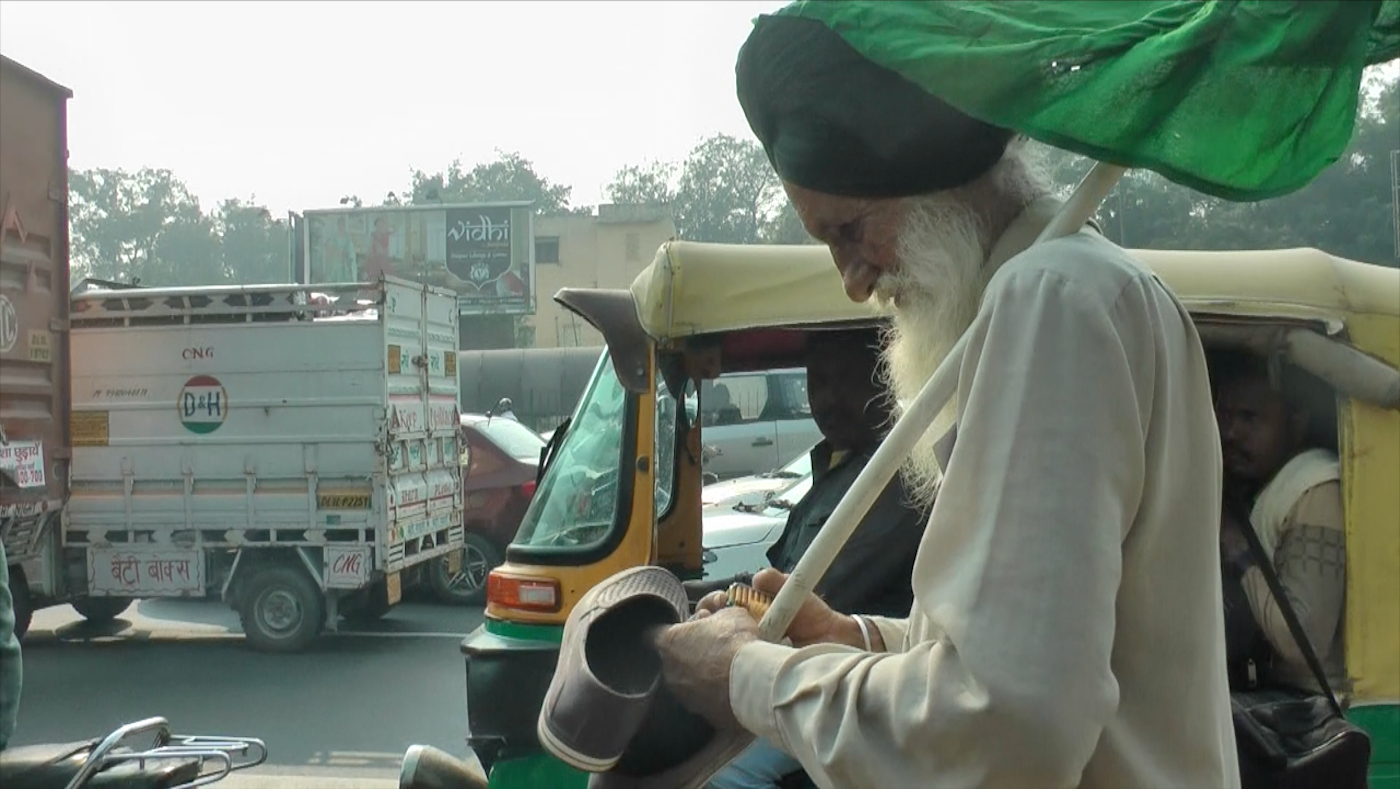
(486, 253)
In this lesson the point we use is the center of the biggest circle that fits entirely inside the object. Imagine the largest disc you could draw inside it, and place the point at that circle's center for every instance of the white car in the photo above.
(737, 537)
(755, 489)
(754, 420)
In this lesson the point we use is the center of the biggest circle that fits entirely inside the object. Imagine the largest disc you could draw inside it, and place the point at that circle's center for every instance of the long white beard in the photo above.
(936, 291)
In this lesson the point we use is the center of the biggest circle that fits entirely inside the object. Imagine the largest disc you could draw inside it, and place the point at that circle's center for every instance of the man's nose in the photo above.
(1229, 430)
(857, 276)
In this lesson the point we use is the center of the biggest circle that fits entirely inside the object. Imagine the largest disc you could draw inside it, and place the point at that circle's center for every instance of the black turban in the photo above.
(835, 122)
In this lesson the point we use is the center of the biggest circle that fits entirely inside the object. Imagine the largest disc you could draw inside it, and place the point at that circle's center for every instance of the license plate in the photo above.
(454, 562)
(394, 585)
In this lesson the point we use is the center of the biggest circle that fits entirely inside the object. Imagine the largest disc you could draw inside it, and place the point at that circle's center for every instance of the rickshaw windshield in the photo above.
(578, 501)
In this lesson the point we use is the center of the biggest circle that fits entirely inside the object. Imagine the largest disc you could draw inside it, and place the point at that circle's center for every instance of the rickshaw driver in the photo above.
(1081, 496)
(852, 411)
(872, 572)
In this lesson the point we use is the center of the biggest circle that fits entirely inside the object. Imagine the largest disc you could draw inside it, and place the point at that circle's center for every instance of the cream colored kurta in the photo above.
(1067, 628)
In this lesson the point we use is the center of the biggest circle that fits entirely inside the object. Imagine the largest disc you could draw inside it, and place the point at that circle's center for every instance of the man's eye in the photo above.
(850, 232)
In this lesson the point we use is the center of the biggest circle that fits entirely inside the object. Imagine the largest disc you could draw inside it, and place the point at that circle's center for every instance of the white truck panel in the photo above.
(333, 432)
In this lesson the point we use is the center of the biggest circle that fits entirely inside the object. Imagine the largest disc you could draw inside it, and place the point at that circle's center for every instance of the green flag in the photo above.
(1242, 99)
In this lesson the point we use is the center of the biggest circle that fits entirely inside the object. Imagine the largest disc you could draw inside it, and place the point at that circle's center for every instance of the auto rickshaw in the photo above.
(621, 482)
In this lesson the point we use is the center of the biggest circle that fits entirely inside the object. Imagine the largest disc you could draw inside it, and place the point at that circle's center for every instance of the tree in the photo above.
(724, 192)
(1144, 210)
(510, 177)
(727, 192)
(144, 225)
(147, 227)
(648, 184)
(256, 248)
(787, 228)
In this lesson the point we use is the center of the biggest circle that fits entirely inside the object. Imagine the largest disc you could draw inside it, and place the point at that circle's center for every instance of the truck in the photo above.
(34, 447)
(294, 454)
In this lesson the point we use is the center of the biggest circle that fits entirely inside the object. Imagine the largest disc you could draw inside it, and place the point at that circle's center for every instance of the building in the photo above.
(603, 251)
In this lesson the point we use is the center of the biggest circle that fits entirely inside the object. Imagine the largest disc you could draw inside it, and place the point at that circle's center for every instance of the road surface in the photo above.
(338, 716)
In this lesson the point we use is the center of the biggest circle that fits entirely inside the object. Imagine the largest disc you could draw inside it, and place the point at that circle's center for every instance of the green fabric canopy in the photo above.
(1241, 99)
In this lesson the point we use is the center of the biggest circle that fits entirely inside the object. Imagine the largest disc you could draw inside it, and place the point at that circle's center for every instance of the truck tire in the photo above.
(23, 603)
(468, 587)
(101, 610)
(282, 609)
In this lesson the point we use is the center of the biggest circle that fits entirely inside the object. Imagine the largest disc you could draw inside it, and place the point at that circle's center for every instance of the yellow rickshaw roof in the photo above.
(695, 288)
(1305, 278)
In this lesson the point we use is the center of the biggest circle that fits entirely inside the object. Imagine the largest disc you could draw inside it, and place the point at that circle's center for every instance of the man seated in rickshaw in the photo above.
(1290, 493)
(872, 572)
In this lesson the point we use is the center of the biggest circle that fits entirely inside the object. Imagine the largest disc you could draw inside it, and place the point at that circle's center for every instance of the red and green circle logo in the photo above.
(203, 404)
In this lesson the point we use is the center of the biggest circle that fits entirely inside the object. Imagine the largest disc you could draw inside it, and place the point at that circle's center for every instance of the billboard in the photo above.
(486, 253)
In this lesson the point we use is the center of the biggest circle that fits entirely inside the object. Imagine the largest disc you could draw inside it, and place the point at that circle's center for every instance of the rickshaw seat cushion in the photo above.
(55, 764)
(608, 672)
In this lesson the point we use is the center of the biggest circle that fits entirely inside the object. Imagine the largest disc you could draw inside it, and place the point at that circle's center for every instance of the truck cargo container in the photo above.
(34, 447)
(294, 454)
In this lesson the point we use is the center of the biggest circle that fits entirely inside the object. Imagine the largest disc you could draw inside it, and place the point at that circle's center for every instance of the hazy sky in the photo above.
(300, 103)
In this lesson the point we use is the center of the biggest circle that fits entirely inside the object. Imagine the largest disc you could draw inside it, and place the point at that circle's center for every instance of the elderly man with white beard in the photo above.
(1067, 628)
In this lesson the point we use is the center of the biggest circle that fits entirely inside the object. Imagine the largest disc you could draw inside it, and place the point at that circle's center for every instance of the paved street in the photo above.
(346, 709)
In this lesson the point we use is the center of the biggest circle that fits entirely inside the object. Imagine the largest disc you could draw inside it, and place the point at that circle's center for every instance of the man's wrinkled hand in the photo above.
(711, 603)
(696, 658)
(816, 622)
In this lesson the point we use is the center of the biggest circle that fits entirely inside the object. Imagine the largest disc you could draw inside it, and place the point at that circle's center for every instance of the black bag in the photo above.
(1289, 739)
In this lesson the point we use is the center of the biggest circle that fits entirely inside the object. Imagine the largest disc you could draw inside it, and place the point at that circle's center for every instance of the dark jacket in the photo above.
(871, 574)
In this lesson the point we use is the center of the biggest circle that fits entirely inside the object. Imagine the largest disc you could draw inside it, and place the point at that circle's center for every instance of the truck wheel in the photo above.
(468, 585)
(23, 604)
(100, 610)
(282, 609)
